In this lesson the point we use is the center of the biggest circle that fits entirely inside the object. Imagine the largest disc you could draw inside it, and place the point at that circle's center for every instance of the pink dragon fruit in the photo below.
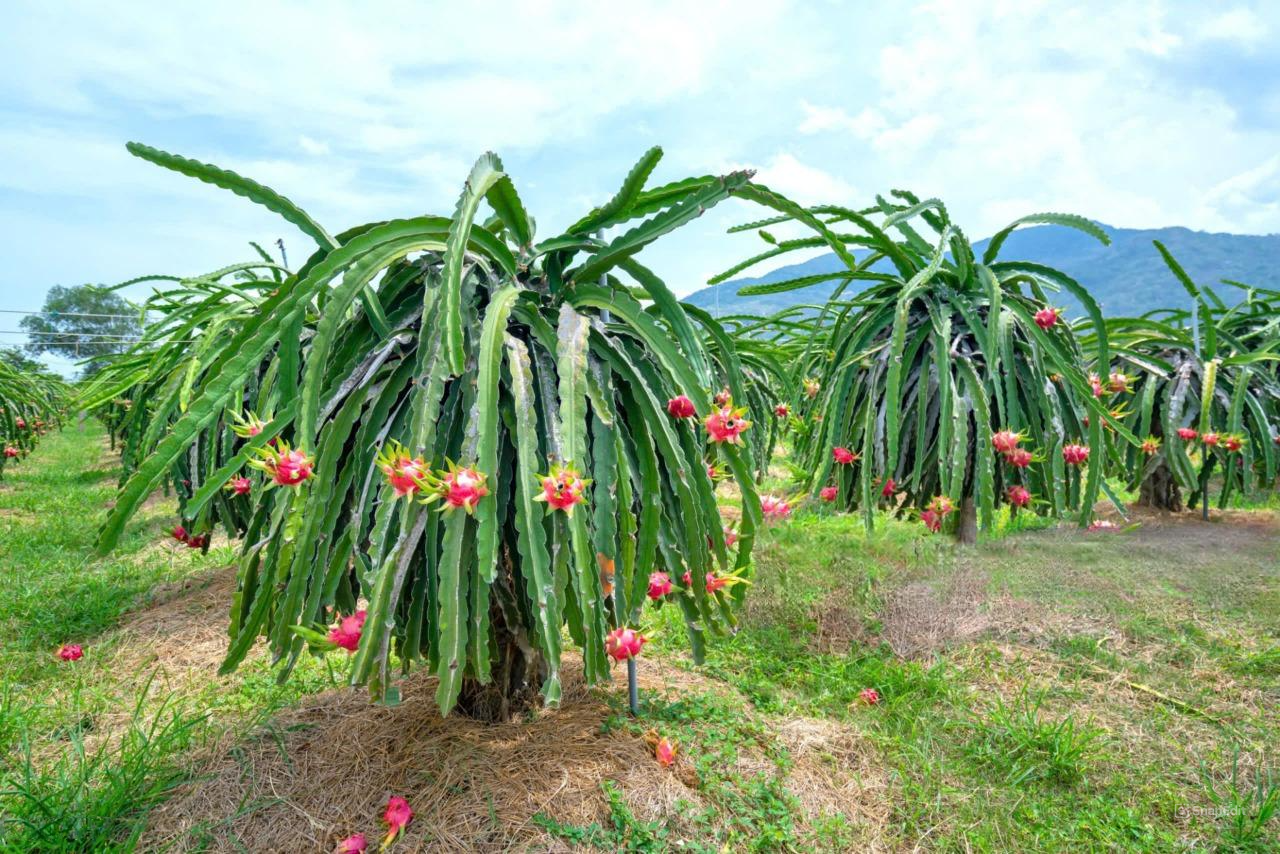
(681, 407)
(828, 493)
(1005, 441)
(1046, 318)
(397, 815)
(1187, 434)
(782, 410)
(346, 635)
(562, 489)
(870, 696)
(665, 752)
(726, 424)
(774, 508)
(1019, 496)
(623, 643)
(71, 652)
(286, 467)
(659, 585)
(403, 471)
(844, 456)
(1075, 454)
(240, 485)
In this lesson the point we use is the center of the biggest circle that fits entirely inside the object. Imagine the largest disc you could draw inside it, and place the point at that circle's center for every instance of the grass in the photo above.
(1048, 690)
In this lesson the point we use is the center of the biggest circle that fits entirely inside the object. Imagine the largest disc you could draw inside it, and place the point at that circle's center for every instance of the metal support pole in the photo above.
(633, 694)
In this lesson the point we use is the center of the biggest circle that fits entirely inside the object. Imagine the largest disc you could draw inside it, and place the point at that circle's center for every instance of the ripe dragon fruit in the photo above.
(623, 643)
(198, 541)
(240, 485)
(10, 451)
(774, 508)
(20, 424)
(889, 488)
(1095, 384)
(941, 505)
(1103, 526)
(659, 585)
(353, 844)
(1187, 434)
(562, 488)
(931, 520)
(397, 815)
(404, 472)
(718, 582)
(1210, 439)
(730, 537)
(844, 456)
(287, 467)
(782, 410)
(1019, 496)
(870, 696)
(1005, 441)
(1150, 445)
(665, 752)
(726, 424)
(179, 533)
(1232, 442)
(457, 487)
(681, 407)
(811, 388)
(1019, 458)
(1046, 318)
(346, 635)
(828, 493)
(71, 652)
(1075, 454)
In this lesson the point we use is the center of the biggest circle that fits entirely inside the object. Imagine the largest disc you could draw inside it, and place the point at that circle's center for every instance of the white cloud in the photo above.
(312, 146)
(1239, 25)
(800, 182)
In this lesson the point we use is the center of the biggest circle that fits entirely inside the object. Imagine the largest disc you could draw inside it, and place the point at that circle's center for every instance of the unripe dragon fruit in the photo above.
(1118, 382)
(1046, 318)
(1005, 441)
(562, 488)
(1075, 454)
(71, 652)
(811, 388)
(404, 472)
(1150, 445)
(659, 585)
(286, 467)
(346, 635)
(1019, 496)
(681, 407)
(623, 643)
(774, 508)
(1187, 434)
(828, 493)
(844, 456)
(726, 424)
(782, 410)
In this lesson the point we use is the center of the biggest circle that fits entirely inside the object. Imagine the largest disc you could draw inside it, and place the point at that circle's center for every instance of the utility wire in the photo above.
(66, 314)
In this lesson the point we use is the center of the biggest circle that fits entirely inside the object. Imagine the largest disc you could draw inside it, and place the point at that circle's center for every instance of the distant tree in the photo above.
(82, 322)
(20, 361)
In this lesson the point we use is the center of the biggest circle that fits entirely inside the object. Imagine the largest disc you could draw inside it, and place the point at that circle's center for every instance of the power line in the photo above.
(65, 314)
(122, 339)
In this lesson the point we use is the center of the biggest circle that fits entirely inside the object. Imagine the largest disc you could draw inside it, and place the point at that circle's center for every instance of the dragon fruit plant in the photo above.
(30, 403)
(489, 452)
(943, 350)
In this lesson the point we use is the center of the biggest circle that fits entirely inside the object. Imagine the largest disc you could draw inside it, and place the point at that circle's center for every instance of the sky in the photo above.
(1139, 114)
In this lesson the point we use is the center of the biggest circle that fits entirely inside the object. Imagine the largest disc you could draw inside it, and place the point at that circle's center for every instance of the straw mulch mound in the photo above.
(325, 770)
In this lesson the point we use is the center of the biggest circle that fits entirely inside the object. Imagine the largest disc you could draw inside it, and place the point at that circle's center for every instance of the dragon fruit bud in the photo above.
(889, 488)
(774, 508)
(10, 451)
(1232, 443)
(726, 424)
(1075, 454)
(240, 485)
(563, 488)
(659, 585)
(782, 410)
(179, 533)
(1019, 496)
(247, 426)
(722, 397)
(681, 407)
(623, 643)
(71, 652)
(1118, 382)
(844, 456)
(397, 815)
(665, 752)
(828, 493)
(1210, 439)
(1187, 434)
(403, 471)
(353, 844)
(870, 696)
(346, 635)
(1150, 445)
(1005, 441)
(811, 388)
(1046, 318)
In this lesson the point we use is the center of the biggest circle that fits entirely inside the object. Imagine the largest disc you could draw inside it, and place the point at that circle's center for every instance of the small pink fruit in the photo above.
(287, 467)
(889, 488)
(1187, 434)
(870, 696)
(403, 471)
(730, 537)
(681, 407)
(722, 397)
(240, 485)
(659, 585)
(1075, 454)
(931, 520)
(844, 456)
(726, 424)
(1046, 318)
(1210, 439)
(562, 488)
(782, 410)
(829, 493)
(1019, 458)
(71, 652)
(20, 424)
(1019, 496)
(1232, 443)
(1118, 382)
(1005, 441)
(623, 643)
(10, 451)
(198, 541)
(353, 844)
(346, 634)
(774, 508)
(179, 533)
(247, 426)
(397, 815)
(665, 752)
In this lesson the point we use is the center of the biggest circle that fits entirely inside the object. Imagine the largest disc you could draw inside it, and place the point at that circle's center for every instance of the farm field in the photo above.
(1047, 689)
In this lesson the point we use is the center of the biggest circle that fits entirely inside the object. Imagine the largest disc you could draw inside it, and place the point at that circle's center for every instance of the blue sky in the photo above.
(1139, 114)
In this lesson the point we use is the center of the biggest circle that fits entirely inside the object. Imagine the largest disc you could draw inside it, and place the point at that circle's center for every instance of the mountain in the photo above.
(1126, 278)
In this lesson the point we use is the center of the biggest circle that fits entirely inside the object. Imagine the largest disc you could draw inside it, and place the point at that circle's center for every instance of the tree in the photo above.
(85, 322)
(460, 359)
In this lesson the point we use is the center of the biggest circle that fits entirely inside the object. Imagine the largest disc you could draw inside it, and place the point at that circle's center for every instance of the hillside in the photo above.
(1128, 277)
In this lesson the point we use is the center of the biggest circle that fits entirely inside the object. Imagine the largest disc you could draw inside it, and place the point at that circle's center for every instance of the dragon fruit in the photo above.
(286, 467)
(562, 488)
(1005, 441)
(240, 485)
(623, 643)
(1187, 434)
(20, 424)
(844, 456)
(198, 541)
(247, 426)
(774, 508)
(346, 635)
(179, 533)
(1118, 382)
(71, 652)
(718, 582)
(782, 410)
(1232, 442)
(665, 752)
(404, 472)
(1019, 458)
(1095, 384)
(828, 493)
(726, 424)
(10, 451)
(353, 844)
(659, 585)
(1210, 439)
(870, 696)
(811, 388)
(722, 397)
(941, 505)
(932, 520)
(1075, 454)
(681, 407)
(1045, 318)
(1150, 445)
(1019, 496)
(397, 815)
(730, 537)
(890, 487)
(457, 486)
